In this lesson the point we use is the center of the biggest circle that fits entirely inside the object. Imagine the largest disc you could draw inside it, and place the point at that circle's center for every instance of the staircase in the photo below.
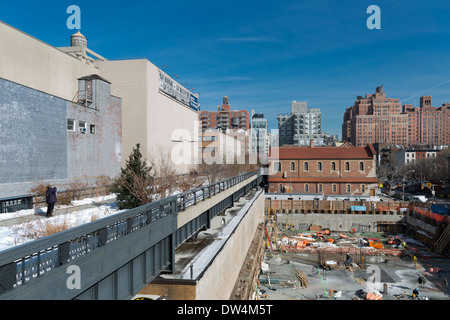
(442, 242)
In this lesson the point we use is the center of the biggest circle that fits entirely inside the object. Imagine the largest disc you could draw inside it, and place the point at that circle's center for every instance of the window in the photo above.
(277, 166)
(209, 138)
(333, 166)
(92, 128)
(70, 125)
(319, 166)
(320, 187)
(361, 166)
(348, 188)
(82, 126)
(347, 166)
(306, 187)
(280, 187)
(363, 188)
(305, 166)
(334, 188)
(292, 166)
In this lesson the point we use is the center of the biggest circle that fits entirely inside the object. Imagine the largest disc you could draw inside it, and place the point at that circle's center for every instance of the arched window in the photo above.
(305, 166)
(320, 188)
(348, 188)
(306, 187)
(361, 166)
(333, 166)
(292, 166)
(319, 166)
(334, 188)
(277, 166)
(347, 166)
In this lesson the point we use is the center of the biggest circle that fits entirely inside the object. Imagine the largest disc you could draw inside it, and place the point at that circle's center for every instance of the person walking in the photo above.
(51, 198)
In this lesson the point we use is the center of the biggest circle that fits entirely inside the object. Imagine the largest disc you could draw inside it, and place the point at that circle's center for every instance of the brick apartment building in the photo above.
(326, 170)
(376, 118)
(428, 125)
(225, 118)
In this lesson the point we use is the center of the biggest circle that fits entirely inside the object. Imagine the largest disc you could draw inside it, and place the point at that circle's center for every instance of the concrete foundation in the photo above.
(338, 222)
(217, 255)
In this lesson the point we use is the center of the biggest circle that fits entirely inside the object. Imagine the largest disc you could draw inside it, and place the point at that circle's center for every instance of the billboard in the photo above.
(172, 88)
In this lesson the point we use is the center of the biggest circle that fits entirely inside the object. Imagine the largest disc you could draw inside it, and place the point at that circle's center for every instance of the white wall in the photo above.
(149, 117)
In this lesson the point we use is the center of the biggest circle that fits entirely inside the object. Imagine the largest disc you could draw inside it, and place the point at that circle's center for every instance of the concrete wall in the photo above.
(33, 139)
(217, 283)
(149, 117)
(337, 222)
(36, 146)
(35, 64)
(93, 155)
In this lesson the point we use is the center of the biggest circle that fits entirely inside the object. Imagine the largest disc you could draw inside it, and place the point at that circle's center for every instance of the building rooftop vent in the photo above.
(78, 40)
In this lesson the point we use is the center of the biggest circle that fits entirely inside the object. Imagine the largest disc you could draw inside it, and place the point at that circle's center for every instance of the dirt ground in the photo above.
(385, 276)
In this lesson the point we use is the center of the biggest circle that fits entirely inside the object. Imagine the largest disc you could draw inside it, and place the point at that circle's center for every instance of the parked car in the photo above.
(419, 198)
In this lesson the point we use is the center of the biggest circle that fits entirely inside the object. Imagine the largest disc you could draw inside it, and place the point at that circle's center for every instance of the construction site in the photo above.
(360, 251)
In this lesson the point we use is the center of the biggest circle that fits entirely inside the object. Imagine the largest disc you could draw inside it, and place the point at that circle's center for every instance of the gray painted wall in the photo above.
(35, 145)
(33, 141)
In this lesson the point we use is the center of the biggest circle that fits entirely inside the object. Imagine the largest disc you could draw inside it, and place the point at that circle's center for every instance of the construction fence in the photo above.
(336, 206)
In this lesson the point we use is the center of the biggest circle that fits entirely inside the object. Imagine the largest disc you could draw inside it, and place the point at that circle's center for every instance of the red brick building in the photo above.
(427, 124)
(376, 118)
(326, 170)
(225, 118)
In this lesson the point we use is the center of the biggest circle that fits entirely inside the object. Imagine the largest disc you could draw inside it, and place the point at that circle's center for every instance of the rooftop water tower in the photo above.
(78, 40)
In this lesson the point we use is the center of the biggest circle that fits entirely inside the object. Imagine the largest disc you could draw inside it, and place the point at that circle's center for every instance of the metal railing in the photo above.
(20, 265)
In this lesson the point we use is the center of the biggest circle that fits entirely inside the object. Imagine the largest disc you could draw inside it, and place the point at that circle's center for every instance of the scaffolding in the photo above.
(271, 228)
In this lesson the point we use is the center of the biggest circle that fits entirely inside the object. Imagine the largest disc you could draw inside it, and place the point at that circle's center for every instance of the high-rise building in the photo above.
(428, 125)
(224, 118)
(260, 137)
(376, 118)
(301, 126)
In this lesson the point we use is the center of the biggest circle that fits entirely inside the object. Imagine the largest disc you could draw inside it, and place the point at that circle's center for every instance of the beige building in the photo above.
(156, 112)
(218, 147)
(40, 66)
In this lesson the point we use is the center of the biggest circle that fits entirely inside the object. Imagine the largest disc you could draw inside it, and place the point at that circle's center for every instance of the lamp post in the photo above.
(404, 182)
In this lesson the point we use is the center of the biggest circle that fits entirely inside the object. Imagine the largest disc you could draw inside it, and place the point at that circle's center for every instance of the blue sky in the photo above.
(265, 54)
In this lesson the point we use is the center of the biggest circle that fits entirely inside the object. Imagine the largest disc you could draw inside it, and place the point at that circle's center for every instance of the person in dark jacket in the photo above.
(51, 198)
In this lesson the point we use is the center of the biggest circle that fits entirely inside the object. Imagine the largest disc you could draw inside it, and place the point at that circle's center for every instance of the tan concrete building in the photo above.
(59, 123)
(40, 66)
(156, 112)
(215, 146)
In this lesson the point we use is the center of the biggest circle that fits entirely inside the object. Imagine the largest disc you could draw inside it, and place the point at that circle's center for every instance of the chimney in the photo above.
(311, 143)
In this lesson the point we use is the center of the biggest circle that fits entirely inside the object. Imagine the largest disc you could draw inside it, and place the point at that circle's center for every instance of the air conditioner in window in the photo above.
(83, 130)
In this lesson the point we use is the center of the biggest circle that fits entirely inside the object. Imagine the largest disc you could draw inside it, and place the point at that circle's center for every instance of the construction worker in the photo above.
(348, 260)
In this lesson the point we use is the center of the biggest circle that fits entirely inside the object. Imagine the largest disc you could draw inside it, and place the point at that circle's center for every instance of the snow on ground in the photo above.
(22, 233)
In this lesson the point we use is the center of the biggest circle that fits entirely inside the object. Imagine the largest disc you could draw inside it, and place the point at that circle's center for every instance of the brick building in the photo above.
(225, 118)
(428, 125)
(376, 118)
(326, 170)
